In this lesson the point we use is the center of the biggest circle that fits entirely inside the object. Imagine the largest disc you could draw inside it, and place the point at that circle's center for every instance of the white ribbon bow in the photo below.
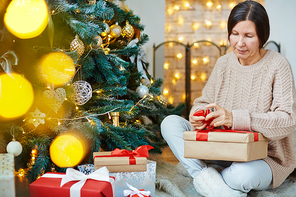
(135, 191)
(101, 174)
(141, 57)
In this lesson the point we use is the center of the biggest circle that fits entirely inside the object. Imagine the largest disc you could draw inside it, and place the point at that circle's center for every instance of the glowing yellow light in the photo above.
(195, 26)
(77, 107)
(171, 44)
(196, 45)
(231, 5)
(170, 10)
(177, 75)
(194, 61)
(165, 91)
(208, 23)
(183, 96)
(209, 4)
(222, 42)
(168, 27)
(57, 68)
(176, 7)
(186, 5)
(174, 81)
(26, 19)
(166, 65)
(193, 77)
(219, 7)
(67, 150)
(181, 39)
(171, 100)
(223, 24)
(21, 172)
(152, 80)
(180, 21)
(16, 95)
(203, 76)
(179, 55)
(206, 60)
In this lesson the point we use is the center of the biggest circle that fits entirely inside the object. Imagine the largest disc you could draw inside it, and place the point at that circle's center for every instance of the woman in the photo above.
(251, 89)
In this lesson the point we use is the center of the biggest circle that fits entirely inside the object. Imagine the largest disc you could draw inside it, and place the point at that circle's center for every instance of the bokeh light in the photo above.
(56, 68)
(16, 95)
(26, 19)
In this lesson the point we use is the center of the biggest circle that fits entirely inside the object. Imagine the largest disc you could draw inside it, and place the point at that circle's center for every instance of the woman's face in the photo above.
(245, 42)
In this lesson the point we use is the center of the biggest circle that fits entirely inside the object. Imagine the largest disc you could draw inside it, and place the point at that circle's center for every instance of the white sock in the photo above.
(210, 183)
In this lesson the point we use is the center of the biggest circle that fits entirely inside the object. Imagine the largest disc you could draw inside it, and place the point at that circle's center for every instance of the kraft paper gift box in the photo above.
(7, 181)
(74, 184)
(227, 145)
(123, 160)
(143, 180)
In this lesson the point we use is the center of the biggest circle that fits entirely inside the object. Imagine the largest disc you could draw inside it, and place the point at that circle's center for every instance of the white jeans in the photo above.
(243, 176)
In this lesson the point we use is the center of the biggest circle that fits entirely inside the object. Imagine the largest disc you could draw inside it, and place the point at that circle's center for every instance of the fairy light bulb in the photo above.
(206, 60)
(203, 76)
(195, 26)
(231, 5)
(166, 65)
(171, 100)
(180, 21)
(177, 75)
(208, 23)
(181, 39)
(186, 4)
(165, 91)
(193, 77)
(183, 97)
(194, 61)
(222, 24)
(168, 27)
(196, 45)
(179, 55)
(170, 10)
(209, 4)
(176, 7)
(219, 7)
(174, 81)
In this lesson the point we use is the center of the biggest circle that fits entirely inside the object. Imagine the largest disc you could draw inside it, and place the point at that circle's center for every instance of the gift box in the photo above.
(123, 160)
(135, 192)
(228, 145)
(7, 181)
(74, 184)
(143, 180)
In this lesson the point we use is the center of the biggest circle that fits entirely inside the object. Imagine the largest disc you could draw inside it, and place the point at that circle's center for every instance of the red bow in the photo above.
(202, 135)
(141, 151)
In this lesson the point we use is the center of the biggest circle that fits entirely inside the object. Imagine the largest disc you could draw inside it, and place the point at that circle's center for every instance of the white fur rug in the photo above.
(174, 181)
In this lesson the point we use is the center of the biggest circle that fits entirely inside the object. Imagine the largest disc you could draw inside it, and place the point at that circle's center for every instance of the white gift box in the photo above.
(7, 182)
(141, 180)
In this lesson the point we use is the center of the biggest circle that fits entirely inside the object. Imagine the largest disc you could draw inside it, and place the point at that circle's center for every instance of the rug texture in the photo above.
(174, 181)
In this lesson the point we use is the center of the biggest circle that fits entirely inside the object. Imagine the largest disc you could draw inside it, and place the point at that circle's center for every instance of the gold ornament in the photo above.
(106, 51)
(99, 41)
(106, 30)
(115, 31)
(115, 118)
(162, 100)
(77, 45)
(128, 31)
(91, 2)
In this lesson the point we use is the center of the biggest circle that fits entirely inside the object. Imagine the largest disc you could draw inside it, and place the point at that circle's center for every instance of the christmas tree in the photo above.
(89, 79)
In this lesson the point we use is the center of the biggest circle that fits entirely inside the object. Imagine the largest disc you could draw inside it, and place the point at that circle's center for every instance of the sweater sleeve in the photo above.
(208, 92)
(280, 120)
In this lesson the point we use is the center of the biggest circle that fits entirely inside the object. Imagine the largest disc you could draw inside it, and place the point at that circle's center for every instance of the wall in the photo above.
(282, 18)
(152, 14)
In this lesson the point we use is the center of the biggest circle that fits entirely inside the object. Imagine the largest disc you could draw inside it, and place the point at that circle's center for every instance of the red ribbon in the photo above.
(202, 135)
(141, 151)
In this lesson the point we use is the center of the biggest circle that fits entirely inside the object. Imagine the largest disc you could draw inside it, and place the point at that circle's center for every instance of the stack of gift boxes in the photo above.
(115, 173)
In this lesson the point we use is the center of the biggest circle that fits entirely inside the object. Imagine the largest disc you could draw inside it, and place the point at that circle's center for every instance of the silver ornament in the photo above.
(82, 92)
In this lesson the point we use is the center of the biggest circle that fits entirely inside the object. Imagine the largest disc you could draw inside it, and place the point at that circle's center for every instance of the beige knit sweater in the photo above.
(262, 98)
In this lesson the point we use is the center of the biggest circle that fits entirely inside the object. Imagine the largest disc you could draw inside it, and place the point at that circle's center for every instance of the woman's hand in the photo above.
(220, 117)
(197, 122)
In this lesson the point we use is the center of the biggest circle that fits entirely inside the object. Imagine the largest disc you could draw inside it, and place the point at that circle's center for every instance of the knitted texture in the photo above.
(261, 98)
